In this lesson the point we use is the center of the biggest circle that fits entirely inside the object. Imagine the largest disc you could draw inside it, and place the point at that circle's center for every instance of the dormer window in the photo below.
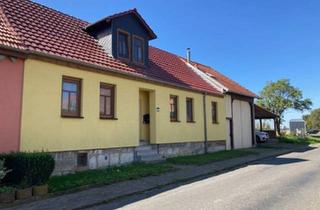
(123, 44)
(138, 49)
(124, 36)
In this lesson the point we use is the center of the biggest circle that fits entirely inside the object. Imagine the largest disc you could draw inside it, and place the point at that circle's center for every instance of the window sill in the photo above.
(191, 121)
(126, 60)
(108, 118)
(175, 121)
(77, 117)
(216, 123)
(136, 63)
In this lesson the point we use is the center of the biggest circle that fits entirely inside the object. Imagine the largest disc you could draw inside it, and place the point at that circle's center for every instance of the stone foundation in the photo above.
(190, 148)
(66, 162)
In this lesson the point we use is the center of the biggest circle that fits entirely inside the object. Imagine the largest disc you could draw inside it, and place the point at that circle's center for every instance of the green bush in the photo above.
(6, 189)
(28, 169)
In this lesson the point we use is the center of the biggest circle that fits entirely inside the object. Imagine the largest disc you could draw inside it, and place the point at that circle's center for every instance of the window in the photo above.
(123, 44)
(214, 110)
(82, 159)
(71, 97)
(189, 102)
(106, 101)
(174, 108)
(138, 45)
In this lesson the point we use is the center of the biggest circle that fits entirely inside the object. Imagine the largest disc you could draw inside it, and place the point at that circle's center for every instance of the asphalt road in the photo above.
(290, 181)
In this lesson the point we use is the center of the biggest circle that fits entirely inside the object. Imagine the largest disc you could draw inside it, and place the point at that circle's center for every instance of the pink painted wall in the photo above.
(11, 80)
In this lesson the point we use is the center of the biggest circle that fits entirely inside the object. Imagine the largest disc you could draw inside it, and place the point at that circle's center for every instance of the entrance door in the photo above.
(144, 117)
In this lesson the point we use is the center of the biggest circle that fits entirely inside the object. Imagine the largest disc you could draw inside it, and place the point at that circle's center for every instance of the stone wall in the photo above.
(190, 148)
(66, 162)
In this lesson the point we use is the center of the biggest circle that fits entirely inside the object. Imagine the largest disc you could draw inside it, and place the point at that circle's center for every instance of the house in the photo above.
(239, 106)
(97, 94)
(298, 127)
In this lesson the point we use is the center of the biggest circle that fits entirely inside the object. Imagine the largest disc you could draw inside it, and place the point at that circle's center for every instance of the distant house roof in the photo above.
(261, 113)
(40, 30)
(297, 120)
(233, 87)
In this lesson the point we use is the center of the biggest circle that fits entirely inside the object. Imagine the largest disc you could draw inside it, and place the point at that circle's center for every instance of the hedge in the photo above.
(27, 169)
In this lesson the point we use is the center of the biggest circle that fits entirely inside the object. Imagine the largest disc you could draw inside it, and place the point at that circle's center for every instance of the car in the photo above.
(262, 136)
(313, 131)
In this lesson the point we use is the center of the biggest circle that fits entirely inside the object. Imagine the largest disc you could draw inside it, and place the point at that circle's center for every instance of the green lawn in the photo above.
(106, 176)
(211, 157)
(298, 140)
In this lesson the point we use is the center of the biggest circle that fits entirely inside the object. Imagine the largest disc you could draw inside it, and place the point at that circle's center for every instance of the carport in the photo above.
(261, 115)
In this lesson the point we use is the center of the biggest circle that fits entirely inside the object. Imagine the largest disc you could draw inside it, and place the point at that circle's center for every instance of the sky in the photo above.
(252, 42)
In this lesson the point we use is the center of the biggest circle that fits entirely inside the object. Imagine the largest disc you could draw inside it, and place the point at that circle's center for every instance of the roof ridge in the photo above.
(165, 51)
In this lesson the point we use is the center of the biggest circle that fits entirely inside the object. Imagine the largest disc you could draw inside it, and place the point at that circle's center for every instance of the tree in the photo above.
(313, 119)
(280, 96)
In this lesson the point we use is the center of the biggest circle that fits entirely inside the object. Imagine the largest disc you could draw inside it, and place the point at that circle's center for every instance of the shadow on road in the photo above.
(279, 161)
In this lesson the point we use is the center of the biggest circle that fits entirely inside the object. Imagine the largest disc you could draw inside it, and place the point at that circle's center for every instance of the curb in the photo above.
(217, 172)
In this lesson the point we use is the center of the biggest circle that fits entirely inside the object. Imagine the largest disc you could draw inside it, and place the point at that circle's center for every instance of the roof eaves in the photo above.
(243, 94)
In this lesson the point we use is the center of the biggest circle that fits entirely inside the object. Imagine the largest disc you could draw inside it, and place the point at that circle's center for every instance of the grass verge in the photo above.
(106, 176)
(211, 157)
(299, 140)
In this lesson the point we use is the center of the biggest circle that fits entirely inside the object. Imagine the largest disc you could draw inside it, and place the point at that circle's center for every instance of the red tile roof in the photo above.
(39, 29)
(8, 36)
(232, 86)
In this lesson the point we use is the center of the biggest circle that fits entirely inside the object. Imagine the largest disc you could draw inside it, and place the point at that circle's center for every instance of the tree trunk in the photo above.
(278, 123)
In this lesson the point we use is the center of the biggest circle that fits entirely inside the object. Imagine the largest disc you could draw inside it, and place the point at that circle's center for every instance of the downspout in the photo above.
(232, 134)
(205, 124)
(253, 123)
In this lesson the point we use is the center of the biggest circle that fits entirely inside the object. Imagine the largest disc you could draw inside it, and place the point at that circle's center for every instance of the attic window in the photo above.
(138, 49)
(123, 44)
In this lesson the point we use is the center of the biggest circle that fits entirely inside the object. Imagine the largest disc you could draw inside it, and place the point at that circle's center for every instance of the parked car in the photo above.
(262, 136)
(313, 131)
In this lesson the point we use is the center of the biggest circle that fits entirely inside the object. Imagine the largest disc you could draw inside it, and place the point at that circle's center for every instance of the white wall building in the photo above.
(298, 127)
(239, 104)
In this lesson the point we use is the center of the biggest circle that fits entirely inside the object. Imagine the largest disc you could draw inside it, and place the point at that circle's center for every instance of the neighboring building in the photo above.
(11, 77)
(239, 104)
(298, 127)
(96, 95)
(266, 121)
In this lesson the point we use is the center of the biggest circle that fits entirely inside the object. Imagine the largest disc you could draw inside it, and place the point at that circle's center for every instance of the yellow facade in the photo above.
(44, 129)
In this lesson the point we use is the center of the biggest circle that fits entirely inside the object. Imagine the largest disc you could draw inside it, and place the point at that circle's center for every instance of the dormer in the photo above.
(124, 36)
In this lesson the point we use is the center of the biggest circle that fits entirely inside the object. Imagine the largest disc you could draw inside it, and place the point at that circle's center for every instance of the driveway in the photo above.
(290, 181)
